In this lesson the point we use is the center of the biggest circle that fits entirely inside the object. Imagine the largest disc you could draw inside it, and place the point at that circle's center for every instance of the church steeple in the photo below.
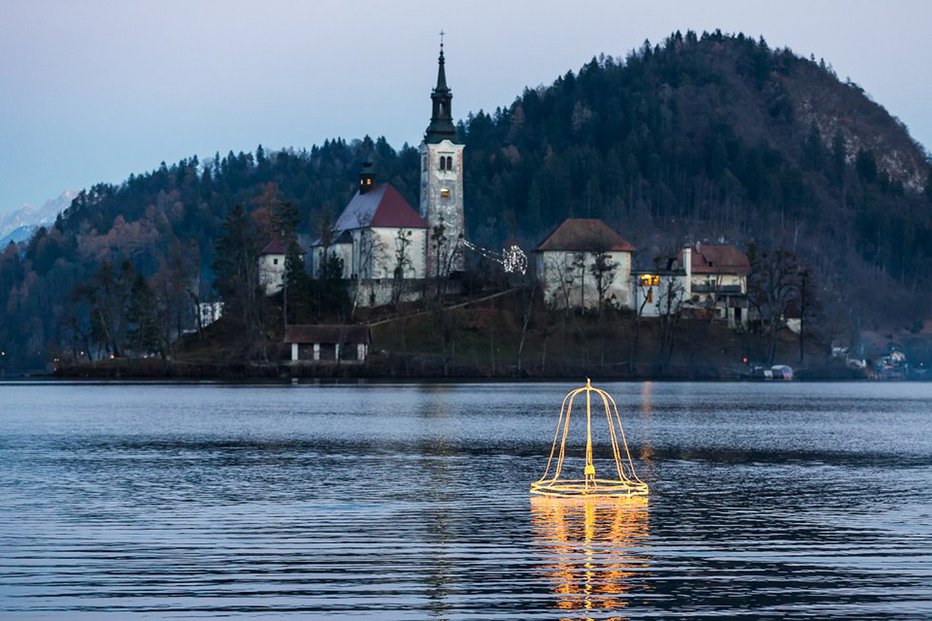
(442, 183)
(366, 177)
(441, 120)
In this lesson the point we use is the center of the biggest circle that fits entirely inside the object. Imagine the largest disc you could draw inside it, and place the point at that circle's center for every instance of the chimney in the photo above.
(688, 268)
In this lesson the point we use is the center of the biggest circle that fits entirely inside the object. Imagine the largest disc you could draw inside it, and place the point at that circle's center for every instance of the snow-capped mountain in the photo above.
(30, 217)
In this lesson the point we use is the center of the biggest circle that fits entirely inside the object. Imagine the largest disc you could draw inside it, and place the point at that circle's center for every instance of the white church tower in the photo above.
(442, 184)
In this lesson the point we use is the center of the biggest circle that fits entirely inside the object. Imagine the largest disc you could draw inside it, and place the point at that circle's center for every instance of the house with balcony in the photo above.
(715, 281)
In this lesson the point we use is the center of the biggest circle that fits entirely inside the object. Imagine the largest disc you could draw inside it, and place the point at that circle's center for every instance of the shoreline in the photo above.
(365, 373)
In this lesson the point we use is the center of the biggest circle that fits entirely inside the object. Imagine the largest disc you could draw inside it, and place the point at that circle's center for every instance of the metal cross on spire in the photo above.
(441, 37)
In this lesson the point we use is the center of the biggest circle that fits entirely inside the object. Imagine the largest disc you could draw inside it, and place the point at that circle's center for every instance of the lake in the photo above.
(387, 501)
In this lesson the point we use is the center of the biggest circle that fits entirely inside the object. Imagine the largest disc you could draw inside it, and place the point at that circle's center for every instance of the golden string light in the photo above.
(626, 485)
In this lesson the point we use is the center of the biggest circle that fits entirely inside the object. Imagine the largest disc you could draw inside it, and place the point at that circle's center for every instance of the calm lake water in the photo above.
(773, 501)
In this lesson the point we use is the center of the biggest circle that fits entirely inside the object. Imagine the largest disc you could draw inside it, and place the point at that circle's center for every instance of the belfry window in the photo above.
(443, 163)
(449, 162)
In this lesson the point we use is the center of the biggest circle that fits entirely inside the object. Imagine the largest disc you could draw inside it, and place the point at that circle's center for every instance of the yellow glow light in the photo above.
(626, 486)
(593, 556)
(649, 280)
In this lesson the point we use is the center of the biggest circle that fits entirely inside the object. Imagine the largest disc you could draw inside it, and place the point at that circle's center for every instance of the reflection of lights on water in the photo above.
(647, 389)
(592, 550)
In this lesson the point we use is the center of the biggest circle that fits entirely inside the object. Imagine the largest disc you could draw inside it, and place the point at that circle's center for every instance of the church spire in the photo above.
(441, 74)
(441, 120)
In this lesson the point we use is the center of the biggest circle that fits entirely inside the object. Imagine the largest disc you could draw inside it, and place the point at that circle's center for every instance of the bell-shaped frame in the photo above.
(626, 485)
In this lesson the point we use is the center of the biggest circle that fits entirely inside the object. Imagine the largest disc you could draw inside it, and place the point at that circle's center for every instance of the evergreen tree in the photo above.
(236, 269)
(144, 334)
(297, 290)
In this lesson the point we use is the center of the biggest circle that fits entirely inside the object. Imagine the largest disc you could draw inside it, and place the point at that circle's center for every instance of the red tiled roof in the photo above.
(382, 206)
(277, 246)
(274, 247)
(718, 259)
(585, 234)
(322, 333)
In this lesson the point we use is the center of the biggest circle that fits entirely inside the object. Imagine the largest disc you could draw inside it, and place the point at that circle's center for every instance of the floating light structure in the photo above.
(626, 486)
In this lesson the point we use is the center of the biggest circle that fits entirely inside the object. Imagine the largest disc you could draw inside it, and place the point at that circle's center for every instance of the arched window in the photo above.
(443, 163)
(449, 162)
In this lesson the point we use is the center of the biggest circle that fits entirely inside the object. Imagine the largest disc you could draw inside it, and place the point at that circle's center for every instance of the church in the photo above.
(386, 246)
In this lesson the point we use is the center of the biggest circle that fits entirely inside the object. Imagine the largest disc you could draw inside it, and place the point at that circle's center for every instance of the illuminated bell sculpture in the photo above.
(627, 485)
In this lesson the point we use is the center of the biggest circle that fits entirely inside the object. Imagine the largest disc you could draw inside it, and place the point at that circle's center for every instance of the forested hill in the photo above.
(711, 137)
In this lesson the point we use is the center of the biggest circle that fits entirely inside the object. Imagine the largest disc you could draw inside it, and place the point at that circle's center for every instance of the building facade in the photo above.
(716, 281)
(584, 263)
(272, 266)
(381, 242)
(384, 244)
(441, 201)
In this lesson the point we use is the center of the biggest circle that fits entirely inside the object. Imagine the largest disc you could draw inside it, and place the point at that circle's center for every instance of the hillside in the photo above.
(718, 137)
(698, 138)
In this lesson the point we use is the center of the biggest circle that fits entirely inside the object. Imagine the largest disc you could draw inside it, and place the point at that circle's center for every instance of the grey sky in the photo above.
(95, 90)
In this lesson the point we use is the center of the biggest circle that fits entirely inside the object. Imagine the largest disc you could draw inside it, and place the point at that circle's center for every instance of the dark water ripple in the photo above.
(410, 502)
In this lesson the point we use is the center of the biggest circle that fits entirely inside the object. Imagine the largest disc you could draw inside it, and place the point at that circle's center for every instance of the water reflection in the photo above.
(647, 389)
(401, 502)
(594, 556)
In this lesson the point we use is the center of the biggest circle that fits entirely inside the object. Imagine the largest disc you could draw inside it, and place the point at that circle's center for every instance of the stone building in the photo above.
(441, 200)
(328, 343)
(272, 266)
(383, 242)
(573, 259)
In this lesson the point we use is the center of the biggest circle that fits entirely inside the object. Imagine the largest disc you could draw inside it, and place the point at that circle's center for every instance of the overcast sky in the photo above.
(95, 90)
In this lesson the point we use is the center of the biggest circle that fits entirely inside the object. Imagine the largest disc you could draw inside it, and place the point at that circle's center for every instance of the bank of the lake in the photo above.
(477, 342)
(390, 368)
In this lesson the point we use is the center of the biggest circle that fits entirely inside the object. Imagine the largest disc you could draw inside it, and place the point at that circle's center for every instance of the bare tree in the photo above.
(527, 291)
(403, 264)
(603, 270)
(774, 284)
(579, 265)
(367, 249)
(648, 297)
(671, 294)
(446, 251)
(174, 283)
(565, 276)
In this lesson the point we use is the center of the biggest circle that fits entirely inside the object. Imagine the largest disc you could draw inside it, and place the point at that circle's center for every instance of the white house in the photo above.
(659, 292)
(573, 259)
(272, 266)
(716, 279)
(328, 343)
(380, 239)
